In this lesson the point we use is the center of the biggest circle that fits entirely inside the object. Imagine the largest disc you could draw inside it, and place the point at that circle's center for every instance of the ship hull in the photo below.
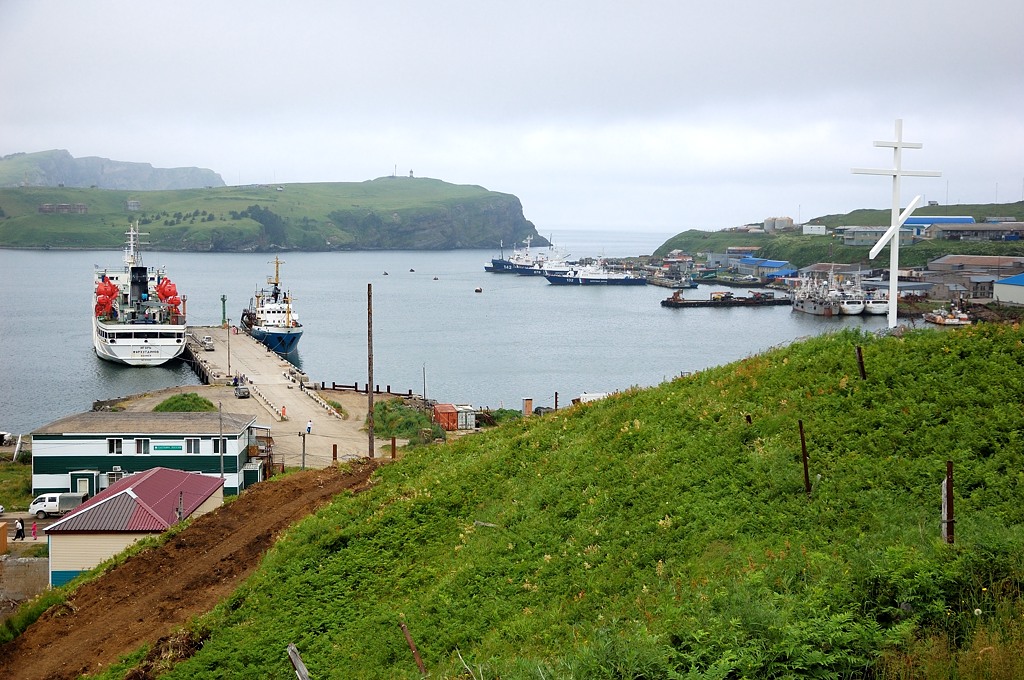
(282, 341)
(815, 306)
(138, 344)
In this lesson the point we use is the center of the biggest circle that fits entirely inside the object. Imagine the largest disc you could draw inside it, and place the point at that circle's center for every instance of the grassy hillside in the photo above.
(388, 212)
(876, 218)
(666, 533)
(806, 250)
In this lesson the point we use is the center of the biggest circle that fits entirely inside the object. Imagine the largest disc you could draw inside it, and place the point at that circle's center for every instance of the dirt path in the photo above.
(151, 595)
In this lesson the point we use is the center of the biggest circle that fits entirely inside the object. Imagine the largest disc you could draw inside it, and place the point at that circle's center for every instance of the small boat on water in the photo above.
(596, 275)
(138, 316)
(675, 282)
(727, 299)
(270, 318)
(735, 280)
(953, 316)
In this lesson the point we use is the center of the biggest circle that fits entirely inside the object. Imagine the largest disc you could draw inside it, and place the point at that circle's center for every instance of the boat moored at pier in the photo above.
(270, 317)
(757, 298)
(595, 275)
(138, 316)
(952, 316)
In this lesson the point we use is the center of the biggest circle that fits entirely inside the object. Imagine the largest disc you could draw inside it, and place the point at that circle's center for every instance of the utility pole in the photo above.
(220, 442)
(229, 347)
(369, 364)
(303, 435)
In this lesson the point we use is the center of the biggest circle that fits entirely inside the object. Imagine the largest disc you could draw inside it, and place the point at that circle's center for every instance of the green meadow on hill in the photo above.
(385, 213)
(667, 533)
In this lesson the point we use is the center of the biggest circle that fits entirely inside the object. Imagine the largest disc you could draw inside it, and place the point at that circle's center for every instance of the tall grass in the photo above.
(659, 534)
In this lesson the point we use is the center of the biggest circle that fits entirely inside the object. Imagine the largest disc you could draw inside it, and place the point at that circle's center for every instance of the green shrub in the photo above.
(392, 418)
(182, 403)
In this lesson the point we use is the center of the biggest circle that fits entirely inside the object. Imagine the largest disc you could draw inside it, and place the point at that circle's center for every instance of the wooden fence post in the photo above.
(803, 450)
(300, 668)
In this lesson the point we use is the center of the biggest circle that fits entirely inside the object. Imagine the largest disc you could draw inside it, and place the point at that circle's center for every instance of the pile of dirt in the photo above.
(148, 597)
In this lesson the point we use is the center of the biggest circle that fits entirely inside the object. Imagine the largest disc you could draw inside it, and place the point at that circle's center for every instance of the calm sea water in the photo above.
(520, 337)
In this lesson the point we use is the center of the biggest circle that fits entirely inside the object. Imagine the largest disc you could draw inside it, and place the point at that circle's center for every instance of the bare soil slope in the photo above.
(152, 594)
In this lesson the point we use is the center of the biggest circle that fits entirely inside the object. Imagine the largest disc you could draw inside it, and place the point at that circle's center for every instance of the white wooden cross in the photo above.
(892, 235)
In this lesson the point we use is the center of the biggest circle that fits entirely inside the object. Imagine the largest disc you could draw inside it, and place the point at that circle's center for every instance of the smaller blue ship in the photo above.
(270, 318)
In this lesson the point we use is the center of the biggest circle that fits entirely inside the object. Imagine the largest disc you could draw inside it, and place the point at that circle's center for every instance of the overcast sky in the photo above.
(658, 115)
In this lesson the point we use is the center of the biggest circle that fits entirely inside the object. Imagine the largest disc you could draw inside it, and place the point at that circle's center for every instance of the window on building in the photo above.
(220, 446)
(114, 446)
(191, 446)
(142, 446)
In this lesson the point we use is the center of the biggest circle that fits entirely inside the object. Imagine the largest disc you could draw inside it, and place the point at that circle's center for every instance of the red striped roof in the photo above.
(147, 501)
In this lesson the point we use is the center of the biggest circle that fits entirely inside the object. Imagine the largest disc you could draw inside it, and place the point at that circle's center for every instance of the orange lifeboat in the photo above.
(106, 287)
(166, 290)
(106, 293)
(103, 305)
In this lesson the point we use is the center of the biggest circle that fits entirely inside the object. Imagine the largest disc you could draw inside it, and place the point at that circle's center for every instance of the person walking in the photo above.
(19, 529)
(309, 427)
(34, 531)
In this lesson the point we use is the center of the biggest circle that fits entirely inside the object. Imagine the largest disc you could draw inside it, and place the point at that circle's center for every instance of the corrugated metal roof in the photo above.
(978, 260)
(147, 501)
(131, 423)
(935, 219)
(1017, 280)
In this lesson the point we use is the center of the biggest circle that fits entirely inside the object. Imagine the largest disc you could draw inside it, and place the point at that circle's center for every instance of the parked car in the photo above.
(242, 392)
(207, 343)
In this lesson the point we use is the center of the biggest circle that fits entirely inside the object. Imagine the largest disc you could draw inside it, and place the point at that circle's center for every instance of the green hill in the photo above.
(666, 533)
(59, 168)
(385, 213)
(806, 250)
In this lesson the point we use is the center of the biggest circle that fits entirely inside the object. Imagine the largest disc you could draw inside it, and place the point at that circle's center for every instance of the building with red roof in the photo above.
(138, 505)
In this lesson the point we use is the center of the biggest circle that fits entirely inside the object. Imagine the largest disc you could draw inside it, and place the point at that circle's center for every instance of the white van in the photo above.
(55, 504)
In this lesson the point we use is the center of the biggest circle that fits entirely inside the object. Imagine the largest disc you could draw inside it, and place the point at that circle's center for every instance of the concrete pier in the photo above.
(285, 393)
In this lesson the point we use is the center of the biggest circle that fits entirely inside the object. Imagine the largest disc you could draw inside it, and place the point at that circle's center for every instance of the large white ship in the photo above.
(138, 316)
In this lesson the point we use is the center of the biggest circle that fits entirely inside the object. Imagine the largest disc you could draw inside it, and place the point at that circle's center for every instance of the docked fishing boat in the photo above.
(138, 316)
(953, 316)
(851, 304)
(270, 318)
(596, 275)
(757, 298)
(813, 298)
(875, 305)
(676, 282)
